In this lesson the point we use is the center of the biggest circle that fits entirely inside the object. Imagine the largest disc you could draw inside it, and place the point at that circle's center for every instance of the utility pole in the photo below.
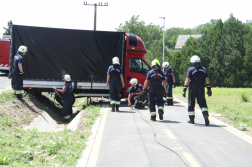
(95, 6)
(163, 38)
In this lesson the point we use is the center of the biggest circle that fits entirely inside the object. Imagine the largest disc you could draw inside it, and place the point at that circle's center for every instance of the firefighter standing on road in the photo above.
(156, 78)
(115, 82)
(18, 71)
(170, 82)
(135, 96)
(196, 77)
(67, 97)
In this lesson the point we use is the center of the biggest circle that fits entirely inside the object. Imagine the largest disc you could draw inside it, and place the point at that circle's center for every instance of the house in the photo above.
(182, 40)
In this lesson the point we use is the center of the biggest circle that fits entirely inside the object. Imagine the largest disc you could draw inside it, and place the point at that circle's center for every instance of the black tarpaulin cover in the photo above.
(54, 52)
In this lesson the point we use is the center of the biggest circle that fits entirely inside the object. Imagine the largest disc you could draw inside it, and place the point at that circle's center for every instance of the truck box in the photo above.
(4, 55)
(85, 55)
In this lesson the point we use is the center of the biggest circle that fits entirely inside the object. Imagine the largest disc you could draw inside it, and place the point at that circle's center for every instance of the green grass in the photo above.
(7, 95)
(32, 148)
(234, 103)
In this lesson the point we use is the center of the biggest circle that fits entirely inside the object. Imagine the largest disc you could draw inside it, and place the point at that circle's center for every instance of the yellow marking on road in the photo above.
(191, 160)
(169, 133)
(96, 146)
(218, 123)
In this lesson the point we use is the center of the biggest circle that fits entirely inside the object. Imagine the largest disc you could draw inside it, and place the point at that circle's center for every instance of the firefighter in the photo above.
(156, 78)
(170, 82)
(135, 97)
(195, 79)
(67, 97)
(18, 71)
(115, 83)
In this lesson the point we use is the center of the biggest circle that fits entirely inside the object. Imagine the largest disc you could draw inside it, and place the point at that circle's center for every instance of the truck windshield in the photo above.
(138, 65)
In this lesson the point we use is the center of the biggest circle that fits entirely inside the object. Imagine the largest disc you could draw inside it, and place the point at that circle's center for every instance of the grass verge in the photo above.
(33, 148)
(233, 103)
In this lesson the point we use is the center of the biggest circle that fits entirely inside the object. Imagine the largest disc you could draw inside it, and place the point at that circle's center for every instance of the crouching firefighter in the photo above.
(68, 97)
(135, 97)
(18, 71)
(170, 82)
(156, 78)
(196, 77)
(115, 82)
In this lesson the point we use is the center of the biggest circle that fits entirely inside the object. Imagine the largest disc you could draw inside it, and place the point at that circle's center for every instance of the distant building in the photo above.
(182, 40)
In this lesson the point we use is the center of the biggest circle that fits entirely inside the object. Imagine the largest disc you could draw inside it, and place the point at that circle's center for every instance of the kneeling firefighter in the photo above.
(135, 96)
(170, 82)
(18, 71)
(115, 82)
(196, 77)
(67, 97)
(156, 78)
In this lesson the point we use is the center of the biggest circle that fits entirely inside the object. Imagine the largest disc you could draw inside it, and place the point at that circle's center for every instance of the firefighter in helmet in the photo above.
(68, 97)
(18, 71)
(170, 82)
(115, 82)
(195, 79)
(156, 77)
(135, 97)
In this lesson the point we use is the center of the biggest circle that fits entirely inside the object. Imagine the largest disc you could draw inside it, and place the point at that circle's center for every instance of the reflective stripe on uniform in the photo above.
(117, 102)
(168, 97)
(204, 109)
(153, 113)
(18, 92)
(67, 117)
(161, 107)
(191, 113)
(112, 102)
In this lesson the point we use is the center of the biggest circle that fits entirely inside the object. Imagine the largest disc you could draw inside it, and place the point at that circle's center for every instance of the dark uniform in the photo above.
(137, 100)
(155, 76)
(18, 78)
(196, 90)
(169, 78)
(68, 100)
(115, 85)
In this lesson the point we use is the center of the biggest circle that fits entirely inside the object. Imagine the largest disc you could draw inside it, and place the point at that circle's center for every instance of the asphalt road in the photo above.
(126, 138)
(4, 81)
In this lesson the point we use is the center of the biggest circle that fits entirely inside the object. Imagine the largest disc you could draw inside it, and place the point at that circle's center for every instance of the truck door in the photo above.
(137, 68)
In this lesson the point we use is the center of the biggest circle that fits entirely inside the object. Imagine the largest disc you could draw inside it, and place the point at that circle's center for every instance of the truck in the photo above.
(4, 53)
(83, 54)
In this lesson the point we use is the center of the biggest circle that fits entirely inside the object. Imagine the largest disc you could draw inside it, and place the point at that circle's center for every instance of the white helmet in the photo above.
(133, 81)
(195, 59)
(66, 77)
(166, 64)
(115, 60)
(22, 49)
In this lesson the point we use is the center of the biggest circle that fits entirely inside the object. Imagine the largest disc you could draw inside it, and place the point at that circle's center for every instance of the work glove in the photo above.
(164, 93)
(174, 85)
(133, 94)
(184, 90)
(129, 104)
(209, 91)
(22, 75)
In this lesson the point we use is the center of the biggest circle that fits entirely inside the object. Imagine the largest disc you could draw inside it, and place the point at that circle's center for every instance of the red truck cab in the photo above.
(134, 66)
(4, 54)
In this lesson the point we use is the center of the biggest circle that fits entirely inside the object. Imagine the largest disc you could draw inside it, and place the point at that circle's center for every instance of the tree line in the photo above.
(225, 49)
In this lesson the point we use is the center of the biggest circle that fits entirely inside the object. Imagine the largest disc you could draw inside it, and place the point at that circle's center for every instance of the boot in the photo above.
(206, 120)
(113, 108)
(172, 101)
(191, 121)
(117, 107)
(153, 118)
(161, 112)
(19, 96)
(168, 102)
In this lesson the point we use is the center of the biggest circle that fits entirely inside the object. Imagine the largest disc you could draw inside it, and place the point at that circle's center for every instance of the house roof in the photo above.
(182, 40)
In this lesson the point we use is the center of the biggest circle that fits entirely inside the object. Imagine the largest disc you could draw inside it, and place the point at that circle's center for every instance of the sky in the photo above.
(72, 14)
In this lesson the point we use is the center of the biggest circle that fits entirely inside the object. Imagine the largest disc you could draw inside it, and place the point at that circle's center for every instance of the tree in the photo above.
(8, 29)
